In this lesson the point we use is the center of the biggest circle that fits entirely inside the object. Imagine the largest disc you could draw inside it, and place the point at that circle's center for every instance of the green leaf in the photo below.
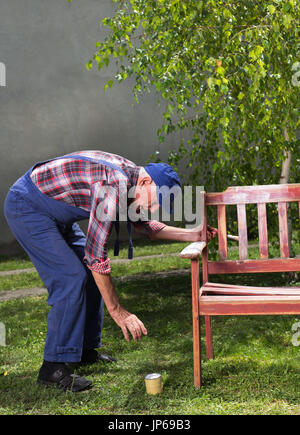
(210, 82)
(221, 71)
(256, 52)
(287, 19)
(89, 65)
(170, 108)
(271, 9)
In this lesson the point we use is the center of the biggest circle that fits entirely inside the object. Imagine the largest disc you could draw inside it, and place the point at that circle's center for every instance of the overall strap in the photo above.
(91, 159)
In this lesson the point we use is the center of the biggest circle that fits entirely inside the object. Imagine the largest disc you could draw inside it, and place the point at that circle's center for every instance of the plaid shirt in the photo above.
(77, 182)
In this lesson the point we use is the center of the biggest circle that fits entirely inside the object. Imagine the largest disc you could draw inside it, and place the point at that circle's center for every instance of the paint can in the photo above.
(153, 383)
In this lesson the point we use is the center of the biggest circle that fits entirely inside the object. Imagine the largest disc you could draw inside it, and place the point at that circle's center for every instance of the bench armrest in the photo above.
(193, 251)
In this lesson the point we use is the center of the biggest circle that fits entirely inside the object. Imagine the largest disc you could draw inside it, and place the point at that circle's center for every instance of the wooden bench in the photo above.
(212, 299)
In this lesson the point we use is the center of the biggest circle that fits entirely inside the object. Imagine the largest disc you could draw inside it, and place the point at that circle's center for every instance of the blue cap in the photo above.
(165, 178)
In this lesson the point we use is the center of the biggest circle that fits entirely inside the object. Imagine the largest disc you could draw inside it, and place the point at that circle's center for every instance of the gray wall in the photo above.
(51, 104)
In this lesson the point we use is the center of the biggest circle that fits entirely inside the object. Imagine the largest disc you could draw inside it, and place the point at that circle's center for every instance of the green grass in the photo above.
(141, 248)
(256, 369)
(7, 263)
(20, 281)
(144, 247)
(140, 266)
(148, 266)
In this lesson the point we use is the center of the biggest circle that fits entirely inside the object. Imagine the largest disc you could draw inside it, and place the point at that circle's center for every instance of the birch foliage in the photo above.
(225, 72)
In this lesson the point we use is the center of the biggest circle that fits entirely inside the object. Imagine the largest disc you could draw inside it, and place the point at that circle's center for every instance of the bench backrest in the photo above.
(281, 194)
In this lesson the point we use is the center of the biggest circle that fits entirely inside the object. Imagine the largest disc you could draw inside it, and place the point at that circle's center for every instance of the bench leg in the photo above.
(208, 333)
(196, 322)
(197, 352)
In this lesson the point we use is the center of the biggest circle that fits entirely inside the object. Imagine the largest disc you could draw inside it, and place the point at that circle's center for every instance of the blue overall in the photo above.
(48, 231)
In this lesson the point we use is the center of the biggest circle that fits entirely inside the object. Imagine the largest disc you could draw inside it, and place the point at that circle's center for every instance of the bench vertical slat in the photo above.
(283, 230)
(222, 232)
(242, 227)
(205, 251)
(262, 230)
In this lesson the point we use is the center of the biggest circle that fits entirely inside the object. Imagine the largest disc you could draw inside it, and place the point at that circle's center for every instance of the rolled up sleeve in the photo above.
(99, 266)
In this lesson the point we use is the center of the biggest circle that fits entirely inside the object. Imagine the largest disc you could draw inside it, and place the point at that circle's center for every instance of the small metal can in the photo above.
(153, 383)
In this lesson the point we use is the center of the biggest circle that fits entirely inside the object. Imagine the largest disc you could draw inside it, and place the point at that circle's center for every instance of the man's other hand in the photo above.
(129, 323)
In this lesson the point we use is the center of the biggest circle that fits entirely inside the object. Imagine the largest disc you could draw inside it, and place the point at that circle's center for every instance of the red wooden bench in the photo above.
(212, 299)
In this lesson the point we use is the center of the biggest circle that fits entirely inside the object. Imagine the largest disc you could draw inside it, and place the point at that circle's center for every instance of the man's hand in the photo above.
(128, 323)
(211, 233)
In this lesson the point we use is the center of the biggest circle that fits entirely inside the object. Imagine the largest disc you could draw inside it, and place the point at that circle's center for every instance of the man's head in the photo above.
(155, 182)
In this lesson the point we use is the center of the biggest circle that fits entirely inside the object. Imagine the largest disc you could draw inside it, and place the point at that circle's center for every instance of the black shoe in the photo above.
(61, 375)
(92, 356)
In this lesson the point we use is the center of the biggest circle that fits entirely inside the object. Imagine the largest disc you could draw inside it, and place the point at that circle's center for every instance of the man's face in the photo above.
(145, 195)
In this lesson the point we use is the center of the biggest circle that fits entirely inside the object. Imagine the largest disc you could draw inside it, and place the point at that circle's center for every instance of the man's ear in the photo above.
(144, 178)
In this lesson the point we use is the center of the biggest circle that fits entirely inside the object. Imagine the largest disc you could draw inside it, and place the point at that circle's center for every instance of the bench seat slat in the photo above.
(248, 305)
(228, 289)
(254, 266)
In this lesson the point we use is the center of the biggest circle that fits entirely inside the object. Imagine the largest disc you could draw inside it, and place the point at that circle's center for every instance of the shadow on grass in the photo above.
(222, 379)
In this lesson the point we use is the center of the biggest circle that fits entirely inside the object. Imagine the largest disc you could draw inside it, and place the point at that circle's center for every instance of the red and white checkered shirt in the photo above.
(77, 182)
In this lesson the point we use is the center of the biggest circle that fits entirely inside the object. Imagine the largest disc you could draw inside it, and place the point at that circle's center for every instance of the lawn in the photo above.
(256, 369)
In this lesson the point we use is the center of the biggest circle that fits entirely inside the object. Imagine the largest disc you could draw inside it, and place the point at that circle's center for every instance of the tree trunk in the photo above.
(286, 164)
(284, 178)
